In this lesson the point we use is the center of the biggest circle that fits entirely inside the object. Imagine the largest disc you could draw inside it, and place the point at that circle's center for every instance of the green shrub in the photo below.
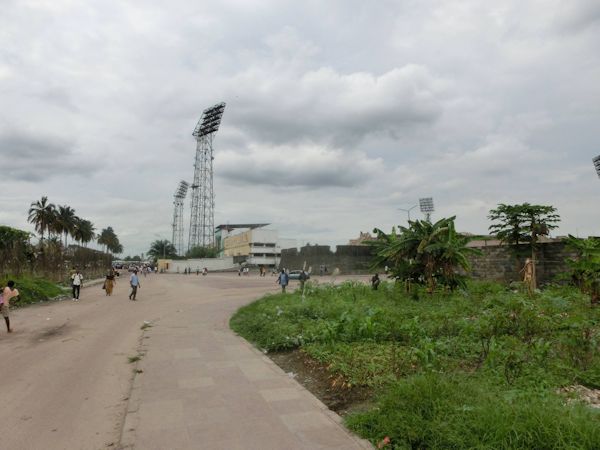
(33, 290)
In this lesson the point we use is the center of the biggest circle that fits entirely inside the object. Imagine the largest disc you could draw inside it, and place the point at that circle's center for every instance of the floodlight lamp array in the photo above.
(426, 205)
(181, 189)
(597, 164)
(210, 120)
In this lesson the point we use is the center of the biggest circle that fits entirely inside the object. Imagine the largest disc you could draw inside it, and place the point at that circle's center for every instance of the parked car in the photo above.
(295, 274)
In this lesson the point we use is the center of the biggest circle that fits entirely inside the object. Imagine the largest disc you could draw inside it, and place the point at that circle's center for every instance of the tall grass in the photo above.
(441, 411)
(480, 368)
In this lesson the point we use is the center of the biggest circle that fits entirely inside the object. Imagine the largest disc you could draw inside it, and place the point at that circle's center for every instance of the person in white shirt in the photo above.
(134, 281)
(7, 293)
(76, 282)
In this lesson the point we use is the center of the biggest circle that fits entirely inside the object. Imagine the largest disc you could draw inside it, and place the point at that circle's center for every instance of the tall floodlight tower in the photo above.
(202, 222)
(426, 206)
(597, 164)
(178, 199)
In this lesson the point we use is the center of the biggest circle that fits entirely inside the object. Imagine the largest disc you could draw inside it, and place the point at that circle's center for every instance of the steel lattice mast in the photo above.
(178, 198)
(202, 222)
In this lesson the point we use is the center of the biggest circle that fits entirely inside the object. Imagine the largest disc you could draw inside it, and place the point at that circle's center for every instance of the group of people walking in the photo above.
(110, 282)
(283, 279)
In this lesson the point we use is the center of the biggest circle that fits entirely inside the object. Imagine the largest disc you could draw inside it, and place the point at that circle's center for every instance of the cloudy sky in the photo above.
(338, 112)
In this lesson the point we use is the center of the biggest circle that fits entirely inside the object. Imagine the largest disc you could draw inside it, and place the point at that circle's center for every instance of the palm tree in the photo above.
(65, 221)
(162, 249)
(117, 248)
(41, 215)
(83, 231)
(109, 239)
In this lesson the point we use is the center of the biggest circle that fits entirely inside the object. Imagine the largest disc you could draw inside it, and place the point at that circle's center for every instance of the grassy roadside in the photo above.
(485, 368)
(33, 290)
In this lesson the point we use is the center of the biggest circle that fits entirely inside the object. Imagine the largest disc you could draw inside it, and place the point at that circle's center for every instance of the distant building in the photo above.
(224, 231)
(362, 238)
(257, 245)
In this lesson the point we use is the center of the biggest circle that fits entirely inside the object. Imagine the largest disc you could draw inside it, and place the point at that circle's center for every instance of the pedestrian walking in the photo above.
(76, 283)
(303, 277)
(7, 293)
(283, 280)
(375, 282)
(528, 272)
(134, 282)
(109, 283)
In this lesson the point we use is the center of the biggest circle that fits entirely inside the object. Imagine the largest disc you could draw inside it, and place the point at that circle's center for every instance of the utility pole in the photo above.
(407, 211)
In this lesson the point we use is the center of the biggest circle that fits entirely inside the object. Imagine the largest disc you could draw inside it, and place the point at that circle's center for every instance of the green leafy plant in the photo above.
(424, 253)
(585, 267)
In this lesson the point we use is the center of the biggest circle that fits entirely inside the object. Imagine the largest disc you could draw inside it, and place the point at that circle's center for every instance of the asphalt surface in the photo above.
(66, 378)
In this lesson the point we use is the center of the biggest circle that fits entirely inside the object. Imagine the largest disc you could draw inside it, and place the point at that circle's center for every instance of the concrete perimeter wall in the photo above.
(212, 264)
(497, 262)
(347, 258)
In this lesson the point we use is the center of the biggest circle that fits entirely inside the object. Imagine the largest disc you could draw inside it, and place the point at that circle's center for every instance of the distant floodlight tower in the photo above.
(202, 222)
(597, 164)
(426, 206)
(178, 216)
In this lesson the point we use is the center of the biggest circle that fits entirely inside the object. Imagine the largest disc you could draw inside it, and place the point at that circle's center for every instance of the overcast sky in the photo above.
(338, 112)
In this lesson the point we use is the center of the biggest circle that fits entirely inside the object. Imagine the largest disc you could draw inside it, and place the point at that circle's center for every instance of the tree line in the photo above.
(57, 223)
(163, 248)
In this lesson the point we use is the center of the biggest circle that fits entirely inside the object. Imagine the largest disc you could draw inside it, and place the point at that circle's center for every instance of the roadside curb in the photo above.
(332, 415)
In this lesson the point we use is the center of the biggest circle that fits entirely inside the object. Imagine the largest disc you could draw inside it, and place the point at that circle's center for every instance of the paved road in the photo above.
(66, 383)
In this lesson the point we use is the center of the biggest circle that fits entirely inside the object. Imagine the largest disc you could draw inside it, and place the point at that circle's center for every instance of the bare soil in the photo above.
(314, 376)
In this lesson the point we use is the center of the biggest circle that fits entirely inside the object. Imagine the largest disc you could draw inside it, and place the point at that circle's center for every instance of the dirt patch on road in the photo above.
(314, 376)
(51, 332)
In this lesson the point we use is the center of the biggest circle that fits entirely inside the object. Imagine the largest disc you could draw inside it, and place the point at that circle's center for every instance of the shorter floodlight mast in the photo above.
(178, 198)
(426, 206)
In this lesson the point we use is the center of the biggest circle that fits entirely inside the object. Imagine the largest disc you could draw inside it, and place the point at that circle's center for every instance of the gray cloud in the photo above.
(299, 166)
(328, 106)
(343, 103)
(58, 97)
(576, 16)
(35, 158)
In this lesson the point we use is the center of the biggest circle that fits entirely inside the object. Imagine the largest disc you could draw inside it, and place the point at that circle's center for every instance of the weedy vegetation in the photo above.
(453, 363)
(481, 367)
